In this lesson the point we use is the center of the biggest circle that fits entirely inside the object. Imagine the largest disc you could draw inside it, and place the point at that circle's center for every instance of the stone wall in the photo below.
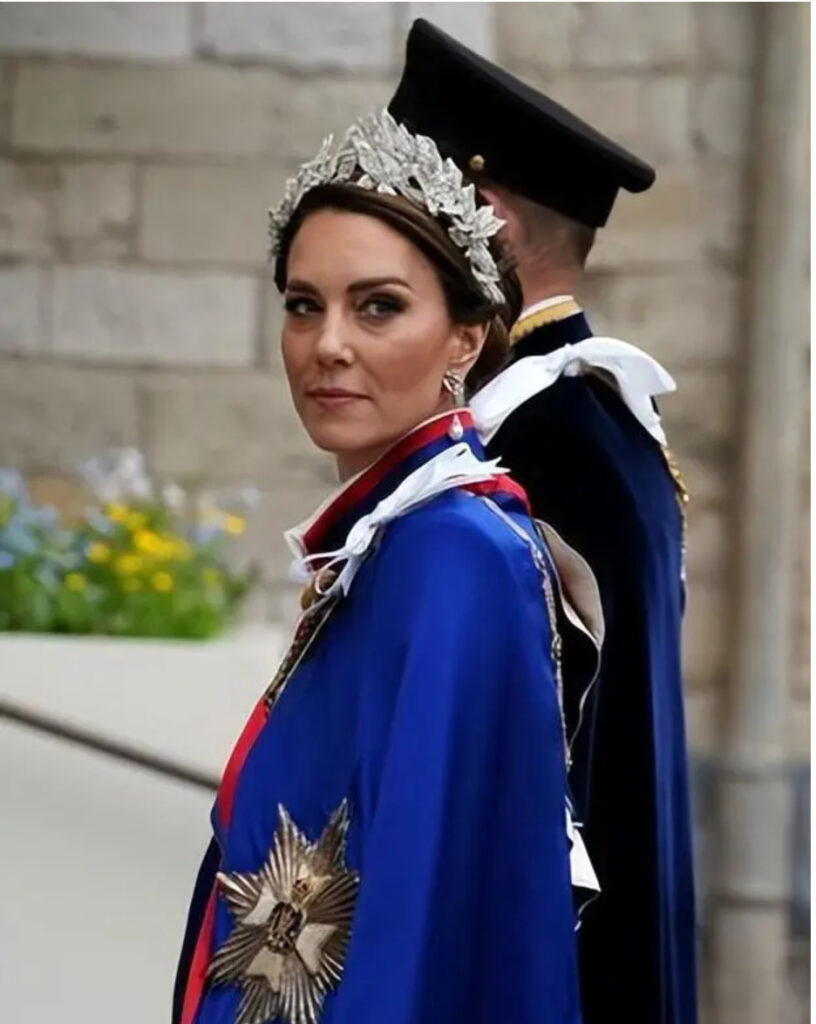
(140, 145)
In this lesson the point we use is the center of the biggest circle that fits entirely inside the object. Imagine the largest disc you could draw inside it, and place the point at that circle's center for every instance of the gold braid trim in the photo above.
(527, 324)
(682, 492)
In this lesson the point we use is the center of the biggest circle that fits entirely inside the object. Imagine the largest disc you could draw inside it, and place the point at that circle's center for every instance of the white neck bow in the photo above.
(637, 376)
(456, 466)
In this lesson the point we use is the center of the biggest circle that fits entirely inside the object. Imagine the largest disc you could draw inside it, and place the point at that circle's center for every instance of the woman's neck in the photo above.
(350, 463)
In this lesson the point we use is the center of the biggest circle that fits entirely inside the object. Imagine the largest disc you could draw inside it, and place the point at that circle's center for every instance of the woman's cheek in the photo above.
(402, 361)
(295, 362)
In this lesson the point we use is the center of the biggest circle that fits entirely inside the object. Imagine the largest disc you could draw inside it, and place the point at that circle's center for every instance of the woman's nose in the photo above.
(332, 342)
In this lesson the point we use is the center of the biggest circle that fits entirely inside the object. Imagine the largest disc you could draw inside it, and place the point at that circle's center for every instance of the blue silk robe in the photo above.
(593, 472)
(426, 708)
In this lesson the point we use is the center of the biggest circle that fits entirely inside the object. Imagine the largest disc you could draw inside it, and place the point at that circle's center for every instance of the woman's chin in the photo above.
(343, 439)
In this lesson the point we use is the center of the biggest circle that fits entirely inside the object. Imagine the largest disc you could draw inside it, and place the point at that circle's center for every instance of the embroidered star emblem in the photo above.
(292, 925)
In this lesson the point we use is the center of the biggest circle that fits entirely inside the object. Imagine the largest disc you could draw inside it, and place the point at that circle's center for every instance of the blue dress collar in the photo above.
(329, 526)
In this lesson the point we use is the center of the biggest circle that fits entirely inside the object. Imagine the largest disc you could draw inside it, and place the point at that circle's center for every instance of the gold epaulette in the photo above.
(527, 324)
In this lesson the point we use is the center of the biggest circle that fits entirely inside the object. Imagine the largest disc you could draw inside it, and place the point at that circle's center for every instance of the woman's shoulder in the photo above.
(461, 533)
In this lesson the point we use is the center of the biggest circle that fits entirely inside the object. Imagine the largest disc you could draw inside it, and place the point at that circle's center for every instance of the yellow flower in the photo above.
(99, 553)
(148, 542)
(234, 525)
(210, 577)
(117, 513)
(128, 564)
(178, 548)
(75, 582)
(135, 521)
(163, 582)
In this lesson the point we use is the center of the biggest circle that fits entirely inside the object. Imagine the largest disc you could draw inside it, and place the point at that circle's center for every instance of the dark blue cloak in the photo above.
(593, 472)
(428, 702)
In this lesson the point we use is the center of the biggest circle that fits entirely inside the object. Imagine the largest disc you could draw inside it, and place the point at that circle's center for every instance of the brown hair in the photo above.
(465, 301)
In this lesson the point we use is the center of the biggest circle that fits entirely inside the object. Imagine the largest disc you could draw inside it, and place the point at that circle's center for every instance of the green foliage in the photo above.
(130, 567)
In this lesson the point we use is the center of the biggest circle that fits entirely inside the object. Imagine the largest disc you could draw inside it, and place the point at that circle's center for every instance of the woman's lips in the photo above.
(331, 398)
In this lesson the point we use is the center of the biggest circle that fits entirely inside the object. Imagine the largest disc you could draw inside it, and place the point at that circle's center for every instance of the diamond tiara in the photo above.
(379, 154)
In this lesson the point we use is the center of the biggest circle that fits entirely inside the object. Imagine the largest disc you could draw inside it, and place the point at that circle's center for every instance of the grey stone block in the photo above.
(473, 24)
(286, 503)
(665, 104)
(612, 103)
(725, 35)
(684, 318)
(6, 78)
(206, 427)
(709, 535)
(800, 873)
(797, 725)
(96, 29)
(660, 227)
(701, 708)
(184, 110)
(307, 37)
(705, 635)
(633, 35)
(700, 422)
(95, 210)
(725, 211)
(208, 214)
(701, 416)
(535, 36)
(22, 305)
(273, 318)
(140, 316)
(28, 193)
(721, 108)
(53, 416)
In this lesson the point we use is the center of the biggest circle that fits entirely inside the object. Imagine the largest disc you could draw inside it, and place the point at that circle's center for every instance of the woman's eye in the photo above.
(380, 307)
(299, 305)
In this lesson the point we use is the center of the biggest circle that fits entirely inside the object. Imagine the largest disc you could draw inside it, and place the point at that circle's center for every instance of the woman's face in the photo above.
(367, 336)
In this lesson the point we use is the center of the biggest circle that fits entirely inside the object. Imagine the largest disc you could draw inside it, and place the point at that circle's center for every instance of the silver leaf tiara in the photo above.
(379, 154)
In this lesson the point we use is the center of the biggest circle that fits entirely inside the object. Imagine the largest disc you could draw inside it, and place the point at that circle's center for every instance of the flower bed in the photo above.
(138, 562)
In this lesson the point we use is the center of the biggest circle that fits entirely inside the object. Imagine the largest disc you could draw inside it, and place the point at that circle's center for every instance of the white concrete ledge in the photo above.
(179, 700)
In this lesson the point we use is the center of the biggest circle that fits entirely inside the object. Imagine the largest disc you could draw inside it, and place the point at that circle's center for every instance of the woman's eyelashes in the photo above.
(301, 305)
(377, 307)
(381, 306)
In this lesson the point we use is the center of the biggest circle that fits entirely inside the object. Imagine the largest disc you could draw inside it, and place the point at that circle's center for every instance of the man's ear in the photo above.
(503, 210)
(467, 347)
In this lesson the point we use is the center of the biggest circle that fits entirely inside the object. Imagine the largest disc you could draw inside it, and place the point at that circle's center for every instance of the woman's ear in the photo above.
(467, 346)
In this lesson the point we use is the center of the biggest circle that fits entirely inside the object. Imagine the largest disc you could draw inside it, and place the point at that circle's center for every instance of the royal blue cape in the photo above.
(428, 702)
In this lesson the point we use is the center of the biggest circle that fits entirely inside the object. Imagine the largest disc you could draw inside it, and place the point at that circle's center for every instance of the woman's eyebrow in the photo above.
(300, 286)
(376, 282)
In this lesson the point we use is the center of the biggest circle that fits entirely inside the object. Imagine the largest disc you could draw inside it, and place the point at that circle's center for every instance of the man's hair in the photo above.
(549, 236)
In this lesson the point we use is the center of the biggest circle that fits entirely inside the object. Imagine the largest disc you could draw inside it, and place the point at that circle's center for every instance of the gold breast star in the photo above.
(292, 925)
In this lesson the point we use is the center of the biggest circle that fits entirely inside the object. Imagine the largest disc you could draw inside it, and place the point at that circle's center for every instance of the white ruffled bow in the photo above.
(456, 466)
(638, 377)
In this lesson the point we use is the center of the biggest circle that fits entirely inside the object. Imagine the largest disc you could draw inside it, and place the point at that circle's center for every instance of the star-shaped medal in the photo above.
(292, 924)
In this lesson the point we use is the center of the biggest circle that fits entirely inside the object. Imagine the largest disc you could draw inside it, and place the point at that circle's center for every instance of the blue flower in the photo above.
(43, 515)
(46, 576)
(18, 539)
(7, 560)
(204, 535)
(12, 484)
(99, 522)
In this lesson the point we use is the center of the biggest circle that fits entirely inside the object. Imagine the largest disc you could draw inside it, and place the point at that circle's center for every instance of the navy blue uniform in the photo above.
(593, 472)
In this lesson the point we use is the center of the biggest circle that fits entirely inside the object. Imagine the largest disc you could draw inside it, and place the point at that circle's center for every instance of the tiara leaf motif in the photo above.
(381, 155)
